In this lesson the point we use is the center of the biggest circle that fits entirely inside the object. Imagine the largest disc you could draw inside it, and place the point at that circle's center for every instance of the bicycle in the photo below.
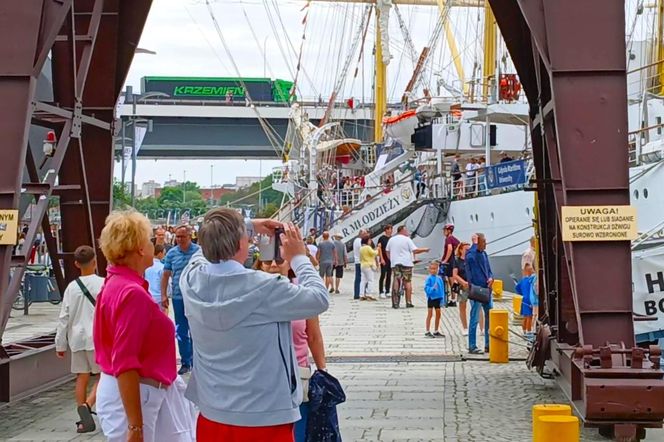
(398, 286)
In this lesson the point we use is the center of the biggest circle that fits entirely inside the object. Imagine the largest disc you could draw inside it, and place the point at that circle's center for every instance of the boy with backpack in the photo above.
(434, 287)
(74, 332)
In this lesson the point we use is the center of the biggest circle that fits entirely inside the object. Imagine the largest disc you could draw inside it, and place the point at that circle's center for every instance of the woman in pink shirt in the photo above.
(137, 399)
(307, 337)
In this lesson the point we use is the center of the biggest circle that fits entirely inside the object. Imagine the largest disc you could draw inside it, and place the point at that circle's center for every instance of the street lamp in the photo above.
(184, 187)
(211, 183)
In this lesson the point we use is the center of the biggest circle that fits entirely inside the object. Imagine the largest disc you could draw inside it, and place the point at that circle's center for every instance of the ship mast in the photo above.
(660, 45)
(380, 90)
(490, 49)
(381, 84)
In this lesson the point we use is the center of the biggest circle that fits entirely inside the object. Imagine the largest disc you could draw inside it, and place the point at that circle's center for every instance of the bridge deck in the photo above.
(400, 385)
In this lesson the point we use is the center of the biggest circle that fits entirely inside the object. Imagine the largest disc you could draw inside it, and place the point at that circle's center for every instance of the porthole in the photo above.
(645, 193)
(492, 217)
(528, 211)
(476, 218)
(471, 218)
(636, 194)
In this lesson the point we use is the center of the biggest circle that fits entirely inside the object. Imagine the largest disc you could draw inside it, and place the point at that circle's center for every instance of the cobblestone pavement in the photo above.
(389, 397)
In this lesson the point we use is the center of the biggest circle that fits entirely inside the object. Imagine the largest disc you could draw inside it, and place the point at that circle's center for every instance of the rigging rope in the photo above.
(273, 136)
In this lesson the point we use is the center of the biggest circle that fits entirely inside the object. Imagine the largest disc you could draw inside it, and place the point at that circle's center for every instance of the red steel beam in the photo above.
(570, 56)
(91, 43)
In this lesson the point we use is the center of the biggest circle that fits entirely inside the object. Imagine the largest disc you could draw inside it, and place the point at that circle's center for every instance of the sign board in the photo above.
(511, 173)
(375, 211)
(648, 296)
(8, 227)
(218, 88)
(599, 223)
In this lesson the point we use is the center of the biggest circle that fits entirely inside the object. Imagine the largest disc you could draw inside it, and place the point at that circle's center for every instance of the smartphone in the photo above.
(270, 247)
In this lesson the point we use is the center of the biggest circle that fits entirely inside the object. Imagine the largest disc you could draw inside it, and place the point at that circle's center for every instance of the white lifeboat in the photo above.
(402, 126)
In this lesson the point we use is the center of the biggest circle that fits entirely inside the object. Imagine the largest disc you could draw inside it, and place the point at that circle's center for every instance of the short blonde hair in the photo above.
(124, 232)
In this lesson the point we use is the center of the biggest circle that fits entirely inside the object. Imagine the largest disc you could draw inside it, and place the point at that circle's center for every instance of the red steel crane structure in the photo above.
(570, 56)
(91, 44)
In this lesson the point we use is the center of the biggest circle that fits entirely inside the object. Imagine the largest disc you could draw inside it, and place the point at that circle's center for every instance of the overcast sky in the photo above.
(182, 34)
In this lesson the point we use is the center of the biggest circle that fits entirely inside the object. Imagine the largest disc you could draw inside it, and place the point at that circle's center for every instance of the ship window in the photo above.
(645, 193)
(636, 194)
(471, 218)
(659, 125)
(492, 217)
(452, 220)
(476, 218)
(528, 211)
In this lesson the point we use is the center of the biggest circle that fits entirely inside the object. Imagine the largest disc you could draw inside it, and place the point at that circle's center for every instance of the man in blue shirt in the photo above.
(154, 273)
(478, 273)
(176, 260)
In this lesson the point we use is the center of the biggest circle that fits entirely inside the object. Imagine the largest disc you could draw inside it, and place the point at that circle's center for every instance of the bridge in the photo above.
(173, 128)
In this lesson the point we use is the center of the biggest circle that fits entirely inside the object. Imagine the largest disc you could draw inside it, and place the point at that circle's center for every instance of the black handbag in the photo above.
(479, 294)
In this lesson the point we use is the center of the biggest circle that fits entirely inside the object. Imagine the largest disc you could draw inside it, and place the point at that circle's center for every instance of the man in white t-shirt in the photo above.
(471, 176)
(400, 250)
(357, 244)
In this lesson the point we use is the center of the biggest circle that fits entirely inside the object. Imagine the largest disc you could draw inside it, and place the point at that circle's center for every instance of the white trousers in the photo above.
(167, 415)
(367, 281)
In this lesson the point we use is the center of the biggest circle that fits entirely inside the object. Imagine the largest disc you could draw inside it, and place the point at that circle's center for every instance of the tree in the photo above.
(249, 196)
(267, 211)
(147, 204)
(120, 198)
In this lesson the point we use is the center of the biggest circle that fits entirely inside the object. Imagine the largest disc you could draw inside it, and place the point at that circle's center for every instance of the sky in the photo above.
(265, 38)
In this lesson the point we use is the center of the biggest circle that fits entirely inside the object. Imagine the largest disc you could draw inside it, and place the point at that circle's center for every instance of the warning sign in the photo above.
(599, 223)
(8, 227)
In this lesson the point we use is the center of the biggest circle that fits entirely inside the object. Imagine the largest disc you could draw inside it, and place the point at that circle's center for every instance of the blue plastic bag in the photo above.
(325, 393)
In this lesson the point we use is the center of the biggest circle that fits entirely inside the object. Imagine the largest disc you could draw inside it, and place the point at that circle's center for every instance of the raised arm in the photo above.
(287, 302)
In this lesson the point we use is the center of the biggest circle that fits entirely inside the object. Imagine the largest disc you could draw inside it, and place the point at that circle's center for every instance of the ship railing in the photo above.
(330, 215)
(465, 187)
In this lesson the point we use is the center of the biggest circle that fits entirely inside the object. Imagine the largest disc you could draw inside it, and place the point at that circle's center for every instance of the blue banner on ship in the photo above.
(512, 173)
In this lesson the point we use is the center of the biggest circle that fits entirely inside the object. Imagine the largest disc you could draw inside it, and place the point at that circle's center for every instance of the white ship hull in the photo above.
(506, 220)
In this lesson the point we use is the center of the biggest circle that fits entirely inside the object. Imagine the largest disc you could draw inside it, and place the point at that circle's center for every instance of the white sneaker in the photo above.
(464, 332)
(381, 296)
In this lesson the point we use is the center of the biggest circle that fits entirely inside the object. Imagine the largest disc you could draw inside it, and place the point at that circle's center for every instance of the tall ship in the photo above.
(460, 154)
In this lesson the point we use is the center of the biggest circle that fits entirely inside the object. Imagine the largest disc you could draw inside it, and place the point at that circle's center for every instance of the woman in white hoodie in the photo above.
(245, 377)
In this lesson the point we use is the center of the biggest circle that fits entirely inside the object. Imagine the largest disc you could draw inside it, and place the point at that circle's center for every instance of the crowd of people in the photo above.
(245, 334)
(246, 324)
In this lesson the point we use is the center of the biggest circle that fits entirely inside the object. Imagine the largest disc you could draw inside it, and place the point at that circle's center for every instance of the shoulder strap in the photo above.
(85, 291)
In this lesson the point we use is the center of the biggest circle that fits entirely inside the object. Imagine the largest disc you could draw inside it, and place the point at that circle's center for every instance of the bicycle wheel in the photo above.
(397, 290)
(19, 302)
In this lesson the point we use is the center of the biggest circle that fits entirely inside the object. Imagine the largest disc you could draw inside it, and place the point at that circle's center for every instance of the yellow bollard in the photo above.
(516, 305)
(541, 410)
(498, 329)
(558, 429)
(497, 288)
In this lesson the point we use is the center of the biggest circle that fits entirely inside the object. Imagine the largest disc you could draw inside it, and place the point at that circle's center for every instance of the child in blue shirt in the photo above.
(434, 287)
(529, 300)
